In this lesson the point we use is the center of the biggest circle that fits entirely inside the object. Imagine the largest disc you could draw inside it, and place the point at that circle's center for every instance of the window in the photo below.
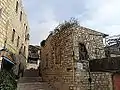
(83, 54)
(24, 25)
(24, 50)
(0, 12)
(18, 39)
(16, 6)
(21, 51)
(26, 30)
(26, 35)
(21, 16)
(13, 35)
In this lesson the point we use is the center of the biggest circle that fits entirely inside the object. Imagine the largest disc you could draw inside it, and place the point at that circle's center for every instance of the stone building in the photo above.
(65, 55)
(34, 56)
(14, 29)
(113, 45)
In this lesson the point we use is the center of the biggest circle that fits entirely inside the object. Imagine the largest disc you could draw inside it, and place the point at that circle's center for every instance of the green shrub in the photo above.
(7, 80)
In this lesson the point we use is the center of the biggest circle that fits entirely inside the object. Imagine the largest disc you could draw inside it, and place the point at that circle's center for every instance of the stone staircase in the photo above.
(32, 81)
(31, 73)
(32, 84)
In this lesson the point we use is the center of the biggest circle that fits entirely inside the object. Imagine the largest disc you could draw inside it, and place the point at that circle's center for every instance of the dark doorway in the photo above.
(83, 54)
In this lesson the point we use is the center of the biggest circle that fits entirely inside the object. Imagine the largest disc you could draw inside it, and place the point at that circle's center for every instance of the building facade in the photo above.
(33, 57)
(65, 57)
(113, 45)
(14, 28)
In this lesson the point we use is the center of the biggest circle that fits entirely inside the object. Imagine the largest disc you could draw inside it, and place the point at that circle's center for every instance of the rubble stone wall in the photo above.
(57, 61)
(60, 55)
(92, 40)
(94, 44)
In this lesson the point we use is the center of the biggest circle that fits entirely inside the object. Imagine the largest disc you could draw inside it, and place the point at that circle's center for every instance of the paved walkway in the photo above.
(32, 81)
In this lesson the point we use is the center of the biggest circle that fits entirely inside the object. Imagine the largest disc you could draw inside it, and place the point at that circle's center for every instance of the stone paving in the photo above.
(33, 86)
(32, 81)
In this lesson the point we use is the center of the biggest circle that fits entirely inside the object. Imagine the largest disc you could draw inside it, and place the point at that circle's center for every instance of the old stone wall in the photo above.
(93, 42)
(100, 81)
(10, 20)
(57, 61)
(61, 54)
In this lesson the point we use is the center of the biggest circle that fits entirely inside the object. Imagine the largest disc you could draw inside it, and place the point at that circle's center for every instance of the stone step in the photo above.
(34, 86)
(30, 86)
(29, 79)
(31, 73)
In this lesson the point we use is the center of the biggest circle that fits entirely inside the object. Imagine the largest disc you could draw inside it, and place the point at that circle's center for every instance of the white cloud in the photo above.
(101, 15)
(41, 20)
(104, 16)
(46, 27)
(42, 29)
(49, 24)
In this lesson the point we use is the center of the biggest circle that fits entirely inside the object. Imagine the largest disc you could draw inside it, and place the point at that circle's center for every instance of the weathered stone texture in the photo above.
(94, 43)
(100, 81)
(60, 55)
(91, 39)
(9, 20)
(57, 63)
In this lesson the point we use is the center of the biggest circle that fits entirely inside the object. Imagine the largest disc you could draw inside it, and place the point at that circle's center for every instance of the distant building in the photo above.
(65, 57)
(113, 46)
(34, 56)
(14, 28)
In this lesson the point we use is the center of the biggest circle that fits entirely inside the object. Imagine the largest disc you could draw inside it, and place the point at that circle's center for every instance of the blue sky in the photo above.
(44, 15)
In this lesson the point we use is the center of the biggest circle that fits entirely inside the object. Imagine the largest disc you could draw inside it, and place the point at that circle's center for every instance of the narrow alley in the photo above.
(59, 45)
(32, 81)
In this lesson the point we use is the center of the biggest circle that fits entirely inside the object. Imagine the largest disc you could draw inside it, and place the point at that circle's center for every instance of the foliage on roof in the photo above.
(67, 24)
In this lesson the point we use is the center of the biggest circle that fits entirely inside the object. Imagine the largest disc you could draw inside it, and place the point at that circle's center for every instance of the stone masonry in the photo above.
(64, 50)
(93, 41)
(14, 29)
